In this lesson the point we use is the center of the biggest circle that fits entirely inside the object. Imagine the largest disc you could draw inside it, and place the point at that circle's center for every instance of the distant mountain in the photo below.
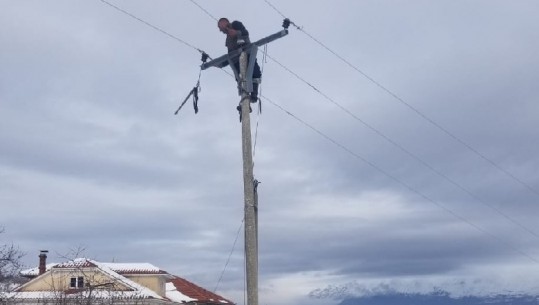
(440, 298)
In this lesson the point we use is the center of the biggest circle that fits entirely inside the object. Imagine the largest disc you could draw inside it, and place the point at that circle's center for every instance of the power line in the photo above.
(275, 9)
(395, 144)
(229, 256)
(414, 109)
(344, 148)
(204, 10)
(152, 26)
(400, 182)
(406, 151)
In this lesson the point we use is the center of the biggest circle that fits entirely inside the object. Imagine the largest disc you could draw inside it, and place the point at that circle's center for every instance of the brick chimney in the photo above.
(43, 261)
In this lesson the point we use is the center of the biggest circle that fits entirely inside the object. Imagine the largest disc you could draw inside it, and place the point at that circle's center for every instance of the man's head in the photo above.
(223, 25)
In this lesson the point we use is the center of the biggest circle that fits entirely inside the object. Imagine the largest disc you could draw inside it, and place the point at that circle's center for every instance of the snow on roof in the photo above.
(35, 271)
(77, 263)
(179, 287)
(174, 295)
(134, 268)
(31, 295)
(103, 294)
(122, 268)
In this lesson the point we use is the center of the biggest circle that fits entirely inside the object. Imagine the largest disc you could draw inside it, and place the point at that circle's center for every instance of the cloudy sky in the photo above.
(413, 166)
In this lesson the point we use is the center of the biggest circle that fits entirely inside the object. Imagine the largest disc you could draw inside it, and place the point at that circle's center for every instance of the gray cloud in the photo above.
(91, 153)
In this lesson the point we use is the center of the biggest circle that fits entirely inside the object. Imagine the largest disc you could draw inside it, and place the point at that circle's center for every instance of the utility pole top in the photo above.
(219, 61)
(250, 50)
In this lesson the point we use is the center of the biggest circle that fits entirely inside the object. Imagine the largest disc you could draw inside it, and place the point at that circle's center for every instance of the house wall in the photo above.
(154, 282)
(43, 283)
(59, 280)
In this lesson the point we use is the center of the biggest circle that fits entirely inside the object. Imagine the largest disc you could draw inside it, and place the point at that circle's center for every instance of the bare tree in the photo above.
(10, 263)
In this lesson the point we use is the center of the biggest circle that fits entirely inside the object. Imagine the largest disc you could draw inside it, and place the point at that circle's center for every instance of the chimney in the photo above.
(43, 261)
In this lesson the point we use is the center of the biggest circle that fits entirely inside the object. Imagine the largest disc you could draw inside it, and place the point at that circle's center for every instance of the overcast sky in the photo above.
(434, 183)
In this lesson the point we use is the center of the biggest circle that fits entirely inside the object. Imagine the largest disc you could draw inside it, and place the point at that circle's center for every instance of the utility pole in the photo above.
(251, 248)
(247, 57)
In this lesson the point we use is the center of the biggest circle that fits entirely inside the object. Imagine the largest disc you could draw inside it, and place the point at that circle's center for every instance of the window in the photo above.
(76, 282)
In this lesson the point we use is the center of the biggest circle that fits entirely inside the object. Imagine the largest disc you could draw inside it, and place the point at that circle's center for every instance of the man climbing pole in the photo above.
(237, 36)
(238, 43)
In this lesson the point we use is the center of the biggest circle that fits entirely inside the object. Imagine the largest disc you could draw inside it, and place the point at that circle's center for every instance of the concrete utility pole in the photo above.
(251, 242)
(244, 77)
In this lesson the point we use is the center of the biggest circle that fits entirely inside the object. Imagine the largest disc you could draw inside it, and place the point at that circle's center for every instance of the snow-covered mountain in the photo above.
(440, 299)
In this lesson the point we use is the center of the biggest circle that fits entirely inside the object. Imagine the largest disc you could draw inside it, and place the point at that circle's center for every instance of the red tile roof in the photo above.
(196, 292)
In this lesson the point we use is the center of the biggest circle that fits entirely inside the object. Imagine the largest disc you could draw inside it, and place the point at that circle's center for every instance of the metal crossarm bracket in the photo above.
(231, 57)
(221, 60)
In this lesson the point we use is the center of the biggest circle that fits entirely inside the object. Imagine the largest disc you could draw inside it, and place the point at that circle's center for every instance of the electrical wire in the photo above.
(406, 151)
(229, 256)
(411, 107)
(346, 149)
(152, 26)
(275, 9)
(400, 182)
(204, 10)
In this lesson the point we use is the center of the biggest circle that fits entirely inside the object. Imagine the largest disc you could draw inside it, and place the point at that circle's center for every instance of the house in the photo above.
(86, 281)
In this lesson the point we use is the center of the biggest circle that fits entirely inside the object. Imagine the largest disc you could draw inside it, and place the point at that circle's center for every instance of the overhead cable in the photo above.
(229, 256)
(400, 182)
(414, 109)
(152, 26)
(406, 151)
(349, 151)
(204, 10)
(395, 144)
